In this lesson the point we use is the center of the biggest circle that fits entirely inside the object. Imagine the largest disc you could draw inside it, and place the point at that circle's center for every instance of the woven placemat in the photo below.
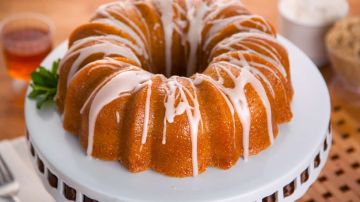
(340, 179)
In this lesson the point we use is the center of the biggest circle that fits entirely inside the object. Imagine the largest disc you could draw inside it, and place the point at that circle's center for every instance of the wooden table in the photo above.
(340, 180)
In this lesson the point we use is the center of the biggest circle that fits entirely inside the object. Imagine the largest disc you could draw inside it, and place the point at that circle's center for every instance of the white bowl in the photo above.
(308, 37)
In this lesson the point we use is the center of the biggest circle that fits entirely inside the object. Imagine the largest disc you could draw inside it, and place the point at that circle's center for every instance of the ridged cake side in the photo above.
(117, 93)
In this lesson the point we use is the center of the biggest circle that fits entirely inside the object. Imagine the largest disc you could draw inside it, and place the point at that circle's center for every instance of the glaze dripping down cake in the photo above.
(174, 86)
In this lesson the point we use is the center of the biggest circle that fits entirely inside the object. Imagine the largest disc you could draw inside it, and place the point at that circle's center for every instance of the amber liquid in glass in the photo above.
(24, 49)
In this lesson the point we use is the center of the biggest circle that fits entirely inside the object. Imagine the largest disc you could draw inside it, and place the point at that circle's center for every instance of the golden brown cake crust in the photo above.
(175, 86)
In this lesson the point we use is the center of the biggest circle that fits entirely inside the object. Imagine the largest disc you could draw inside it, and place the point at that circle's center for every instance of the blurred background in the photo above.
(340, 180)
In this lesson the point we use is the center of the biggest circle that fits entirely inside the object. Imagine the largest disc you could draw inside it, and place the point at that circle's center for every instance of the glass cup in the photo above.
(26, 39)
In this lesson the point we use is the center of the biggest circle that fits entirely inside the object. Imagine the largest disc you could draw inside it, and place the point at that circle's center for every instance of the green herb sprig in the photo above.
(44, 85)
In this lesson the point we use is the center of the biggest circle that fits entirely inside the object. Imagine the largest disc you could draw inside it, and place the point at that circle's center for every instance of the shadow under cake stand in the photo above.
(282, 172)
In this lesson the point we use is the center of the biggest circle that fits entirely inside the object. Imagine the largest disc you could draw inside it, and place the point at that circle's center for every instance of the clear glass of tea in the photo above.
(26, 39)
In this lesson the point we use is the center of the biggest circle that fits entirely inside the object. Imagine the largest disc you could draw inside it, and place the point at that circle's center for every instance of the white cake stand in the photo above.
(281, 173)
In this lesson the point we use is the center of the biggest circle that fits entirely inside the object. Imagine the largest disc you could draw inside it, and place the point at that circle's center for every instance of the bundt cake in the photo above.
(174, 86)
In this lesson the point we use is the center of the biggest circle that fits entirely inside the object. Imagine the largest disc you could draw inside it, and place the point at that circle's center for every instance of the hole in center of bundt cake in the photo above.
(180, 68)
(178, 63)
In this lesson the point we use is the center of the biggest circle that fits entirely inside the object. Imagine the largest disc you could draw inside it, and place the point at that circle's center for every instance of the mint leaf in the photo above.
(44, 85)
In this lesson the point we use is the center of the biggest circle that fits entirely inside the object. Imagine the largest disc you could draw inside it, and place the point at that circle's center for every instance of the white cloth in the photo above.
(15, 154)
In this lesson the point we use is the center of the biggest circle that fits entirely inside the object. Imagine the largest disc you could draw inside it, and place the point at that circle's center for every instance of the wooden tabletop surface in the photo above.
(68, 14)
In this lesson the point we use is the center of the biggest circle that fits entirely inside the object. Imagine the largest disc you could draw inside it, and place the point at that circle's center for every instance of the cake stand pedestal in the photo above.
(282, 172)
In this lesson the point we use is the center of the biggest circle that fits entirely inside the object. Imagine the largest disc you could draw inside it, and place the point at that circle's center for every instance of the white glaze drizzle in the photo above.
(219, 85)
(196, 13)
(117, 117)
(105, 47)
(123, 82)
(111, 64)
(176, 90)
(123, 27)
(237, 38)
(219, 24)
(98, 65)
(239, 100)
(218, 6)
(195, 17)
(110, 37)
(133, 31)
(237, 95)
(251, 66)
(259, 88)
(147, 112)
(166, 10)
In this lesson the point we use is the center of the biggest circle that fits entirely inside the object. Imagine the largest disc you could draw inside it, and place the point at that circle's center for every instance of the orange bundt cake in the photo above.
(174, 86)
